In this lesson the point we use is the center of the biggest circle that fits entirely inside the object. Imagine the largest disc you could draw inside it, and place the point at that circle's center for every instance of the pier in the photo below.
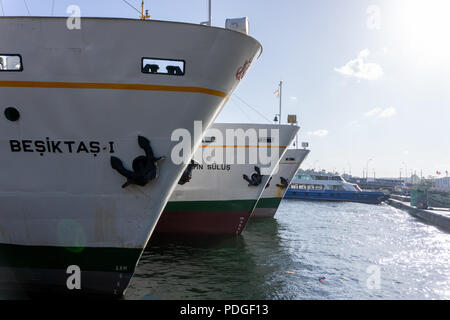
(436, 217)
(375, 184)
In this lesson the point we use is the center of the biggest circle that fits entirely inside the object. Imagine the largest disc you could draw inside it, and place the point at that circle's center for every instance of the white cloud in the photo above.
(318, 133)
(293, 98)
(364, 53)
(381, 113)
(361, 69)
(388, 113)
(373, 112)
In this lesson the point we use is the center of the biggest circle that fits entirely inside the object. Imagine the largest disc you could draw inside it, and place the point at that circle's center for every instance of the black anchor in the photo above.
(284, 183)
(256, 178)
(145, 168)
(187, 174)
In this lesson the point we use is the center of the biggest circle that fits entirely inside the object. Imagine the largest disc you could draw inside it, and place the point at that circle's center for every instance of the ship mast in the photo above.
(279, 95)
(209, 22)
(146, 16)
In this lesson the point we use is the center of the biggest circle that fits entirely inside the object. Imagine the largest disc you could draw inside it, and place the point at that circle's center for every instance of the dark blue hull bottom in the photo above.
(362, 197)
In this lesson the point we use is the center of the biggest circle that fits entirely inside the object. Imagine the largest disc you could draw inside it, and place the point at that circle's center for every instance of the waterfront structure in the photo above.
(443, 183)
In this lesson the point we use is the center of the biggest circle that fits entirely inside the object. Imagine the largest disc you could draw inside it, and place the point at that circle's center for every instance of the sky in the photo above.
(367, 79)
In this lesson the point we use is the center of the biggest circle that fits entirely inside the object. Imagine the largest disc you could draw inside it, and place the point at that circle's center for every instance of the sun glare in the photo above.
(424, 27)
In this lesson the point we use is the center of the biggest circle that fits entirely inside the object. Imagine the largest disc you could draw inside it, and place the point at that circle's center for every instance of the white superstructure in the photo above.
(317, 181)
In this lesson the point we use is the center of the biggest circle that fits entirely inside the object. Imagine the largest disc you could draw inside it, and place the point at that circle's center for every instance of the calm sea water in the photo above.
(362, 251)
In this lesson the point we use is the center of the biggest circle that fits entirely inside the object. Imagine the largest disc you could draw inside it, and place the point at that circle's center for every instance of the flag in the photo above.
(277, 93)
(438, 173)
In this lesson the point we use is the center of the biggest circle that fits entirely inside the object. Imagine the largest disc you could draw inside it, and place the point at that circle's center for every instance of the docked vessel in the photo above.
(279, 183)
(330, 188)
(86, 124)
(219, 198)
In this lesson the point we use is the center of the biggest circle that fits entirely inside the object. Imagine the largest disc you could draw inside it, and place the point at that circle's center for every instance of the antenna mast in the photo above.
(146, 16)
(209, 22)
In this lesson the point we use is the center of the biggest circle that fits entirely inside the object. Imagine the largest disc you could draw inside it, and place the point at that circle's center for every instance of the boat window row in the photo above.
(308, 186)
(10, 62)
(326, 178)
(163, 66)
(13, 62)
(316, 187)
(213, 139)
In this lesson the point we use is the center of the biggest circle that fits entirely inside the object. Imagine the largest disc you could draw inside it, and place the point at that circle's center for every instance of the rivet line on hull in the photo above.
(110, 86)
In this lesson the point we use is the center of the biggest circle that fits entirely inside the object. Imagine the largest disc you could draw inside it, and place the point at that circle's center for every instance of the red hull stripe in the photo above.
(203, 222)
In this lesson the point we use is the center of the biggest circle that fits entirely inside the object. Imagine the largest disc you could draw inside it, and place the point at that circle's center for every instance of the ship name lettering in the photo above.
(60, 146)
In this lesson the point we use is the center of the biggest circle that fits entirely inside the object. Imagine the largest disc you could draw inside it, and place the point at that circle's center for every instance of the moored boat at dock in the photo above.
(279, 183)
(219, 199)
(327, 187)
(87, 118)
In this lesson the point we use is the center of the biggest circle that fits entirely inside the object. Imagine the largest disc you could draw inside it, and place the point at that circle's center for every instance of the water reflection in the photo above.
(211, 267)
(362, 251)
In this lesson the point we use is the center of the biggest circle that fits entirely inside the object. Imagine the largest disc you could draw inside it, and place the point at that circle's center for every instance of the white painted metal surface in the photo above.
(86, 87)
(287, 168)
(224, 182)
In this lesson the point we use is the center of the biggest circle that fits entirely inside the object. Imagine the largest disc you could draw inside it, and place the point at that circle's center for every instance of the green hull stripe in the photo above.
(230, 205)
(273, 203)
(88, 259)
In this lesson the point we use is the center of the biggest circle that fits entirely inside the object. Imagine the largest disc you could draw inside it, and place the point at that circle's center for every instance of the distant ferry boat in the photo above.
(330, 188)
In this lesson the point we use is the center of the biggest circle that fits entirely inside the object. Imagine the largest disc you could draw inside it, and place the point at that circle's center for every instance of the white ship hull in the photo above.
(82, 99)
(218, 200)
(271, 198)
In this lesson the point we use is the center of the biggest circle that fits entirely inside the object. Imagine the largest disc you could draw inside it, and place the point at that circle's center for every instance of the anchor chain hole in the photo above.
(12, 114)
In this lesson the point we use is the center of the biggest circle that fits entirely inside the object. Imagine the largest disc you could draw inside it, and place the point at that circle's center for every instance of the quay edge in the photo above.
(430, 216)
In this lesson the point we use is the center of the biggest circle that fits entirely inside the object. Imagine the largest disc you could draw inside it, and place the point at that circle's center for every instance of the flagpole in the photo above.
(281, 93)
